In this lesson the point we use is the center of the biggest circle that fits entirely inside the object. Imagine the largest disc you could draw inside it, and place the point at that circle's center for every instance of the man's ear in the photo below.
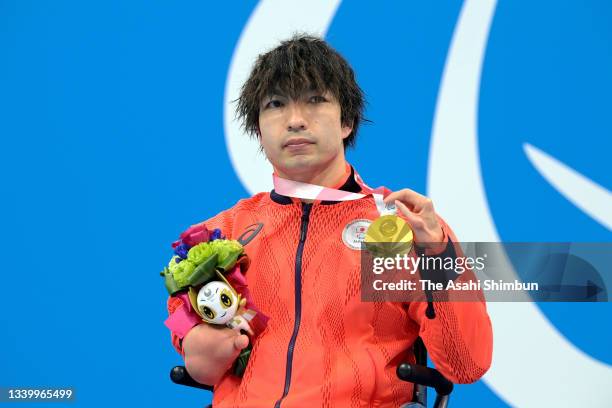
(346, 130)
(258, 132)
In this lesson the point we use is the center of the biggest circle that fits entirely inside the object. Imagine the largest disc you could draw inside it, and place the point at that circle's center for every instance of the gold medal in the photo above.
(389, 235)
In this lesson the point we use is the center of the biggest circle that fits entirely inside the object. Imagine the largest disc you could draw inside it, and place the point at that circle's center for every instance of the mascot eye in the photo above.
(226, 299)
(208, 312)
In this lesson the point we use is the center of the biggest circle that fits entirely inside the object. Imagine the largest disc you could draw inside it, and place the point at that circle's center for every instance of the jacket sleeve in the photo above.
(223, 221)
(459, 337)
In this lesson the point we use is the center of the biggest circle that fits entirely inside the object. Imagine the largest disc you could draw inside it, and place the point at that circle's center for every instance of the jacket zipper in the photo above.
(306, 207)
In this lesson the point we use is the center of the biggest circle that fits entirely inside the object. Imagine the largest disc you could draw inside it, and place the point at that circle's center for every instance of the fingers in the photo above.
(412, 199)
(415, 222)
(426, 227)
(241, 341)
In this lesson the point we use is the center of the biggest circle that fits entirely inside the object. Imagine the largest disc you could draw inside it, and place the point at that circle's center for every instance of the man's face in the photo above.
(304, 134)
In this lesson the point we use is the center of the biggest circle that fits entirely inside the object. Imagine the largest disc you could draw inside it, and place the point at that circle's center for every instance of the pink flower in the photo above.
(193, 236)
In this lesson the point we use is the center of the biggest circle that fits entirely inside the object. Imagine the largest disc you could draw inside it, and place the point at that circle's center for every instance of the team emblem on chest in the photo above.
(354, 233)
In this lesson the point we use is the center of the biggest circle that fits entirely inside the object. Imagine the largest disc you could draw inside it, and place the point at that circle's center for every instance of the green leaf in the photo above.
(242, 361)
(203, 272)
(230, 260)
(169, 282)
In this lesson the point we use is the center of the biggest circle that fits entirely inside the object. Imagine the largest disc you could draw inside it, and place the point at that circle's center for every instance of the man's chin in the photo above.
(297, 163)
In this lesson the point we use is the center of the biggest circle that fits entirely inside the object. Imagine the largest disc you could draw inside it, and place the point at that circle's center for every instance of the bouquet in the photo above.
(207, 273)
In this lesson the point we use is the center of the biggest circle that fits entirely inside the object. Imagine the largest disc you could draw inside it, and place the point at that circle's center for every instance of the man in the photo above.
(323, 346)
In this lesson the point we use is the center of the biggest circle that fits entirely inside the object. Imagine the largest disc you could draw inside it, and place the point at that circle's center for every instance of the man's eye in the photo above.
(317, 99)
(274, 103)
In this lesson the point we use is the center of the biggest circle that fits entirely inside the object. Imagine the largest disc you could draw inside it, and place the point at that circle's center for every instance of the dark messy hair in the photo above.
(301, 64)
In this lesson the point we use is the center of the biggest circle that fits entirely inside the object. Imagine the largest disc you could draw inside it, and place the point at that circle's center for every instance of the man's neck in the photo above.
(332, 176)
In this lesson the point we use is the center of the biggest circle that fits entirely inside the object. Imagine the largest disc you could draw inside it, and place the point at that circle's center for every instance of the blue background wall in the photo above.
(109, 111)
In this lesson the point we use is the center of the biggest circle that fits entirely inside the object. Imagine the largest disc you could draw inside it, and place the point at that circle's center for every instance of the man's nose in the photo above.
(296, 121)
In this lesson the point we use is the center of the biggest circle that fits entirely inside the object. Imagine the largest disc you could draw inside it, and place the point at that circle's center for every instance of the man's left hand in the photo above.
(418, 211)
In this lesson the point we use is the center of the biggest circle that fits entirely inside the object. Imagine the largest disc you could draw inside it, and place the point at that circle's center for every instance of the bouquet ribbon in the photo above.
(184, 318)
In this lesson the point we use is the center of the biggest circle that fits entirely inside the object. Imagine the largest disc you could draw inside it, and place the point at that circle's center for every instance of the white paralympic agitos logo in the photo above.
(550, 370)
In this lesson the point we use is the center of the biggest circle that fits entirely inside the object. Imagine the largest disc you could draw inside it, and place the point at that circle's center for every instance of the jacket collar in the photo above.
(349, 185)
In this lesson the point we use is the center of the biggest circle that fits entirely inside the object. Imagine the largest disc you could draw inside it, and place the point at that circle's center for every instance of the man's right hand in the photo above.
(210, 351)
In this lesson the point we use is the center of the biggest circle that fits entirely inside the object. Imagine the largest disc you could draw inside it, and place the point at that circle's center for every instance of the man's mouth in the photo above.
(298, 142)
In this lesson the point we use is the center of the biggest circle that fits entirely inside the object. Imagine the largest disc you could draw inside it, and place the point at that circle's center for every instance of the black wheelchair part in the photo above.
(419, 374)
